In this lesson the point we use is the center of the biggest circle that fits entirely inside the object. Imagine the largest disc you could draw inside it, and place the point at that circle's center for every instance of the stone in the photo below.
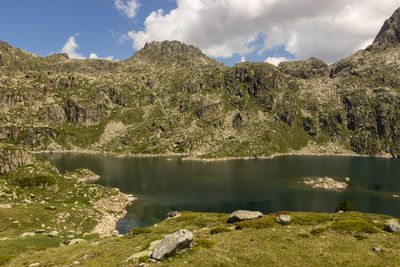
(376, 249)
(244, 215)
(27, 234)
(53, 233)
(75, 241)
(50, 208)
(173, 213)
(5, 206)
(284, 219)
(175, 243)
(34, 264)
(392, 226)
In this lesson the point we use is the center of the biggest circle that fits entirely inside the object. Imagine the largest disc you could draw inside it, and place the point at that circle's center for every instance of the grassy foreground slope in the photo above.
(311, 239)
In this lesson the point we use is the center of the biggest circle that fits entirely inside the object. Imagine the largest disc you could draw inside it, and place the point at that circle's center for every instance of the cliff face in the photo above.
(171, 98)
(12, 158)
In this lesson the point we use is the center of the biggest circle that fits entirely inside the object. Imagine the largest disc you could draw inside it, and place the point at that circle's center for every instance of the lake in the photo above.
(270, 185)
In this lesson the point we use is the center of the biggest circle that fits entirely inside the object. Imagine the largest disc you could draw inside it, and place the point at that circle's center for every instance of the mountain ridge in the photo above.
(171, 98)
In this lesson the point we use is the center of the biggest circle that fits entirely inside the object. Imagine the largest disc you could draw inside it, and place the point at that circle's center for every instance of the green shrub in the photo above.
(138, 231)
(345, 206)
(264, 222)
(310, 219)
(354, 226)
(219, 229)
(205, 243)
(5, 258)
(318, 231)
(36, 181)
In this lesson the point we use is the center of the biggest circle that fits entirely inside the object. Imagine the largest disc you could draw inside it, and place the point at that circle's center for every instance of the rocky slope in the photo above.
(171, 98)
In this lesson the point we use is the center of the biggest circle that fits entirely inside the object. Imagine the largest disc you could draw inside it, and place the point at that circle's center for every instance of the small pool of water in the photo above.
(164, 184)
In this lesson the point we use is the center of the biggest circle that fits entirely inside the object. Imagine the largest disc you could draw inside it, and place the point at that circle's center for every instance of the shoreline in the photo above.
(197, 157)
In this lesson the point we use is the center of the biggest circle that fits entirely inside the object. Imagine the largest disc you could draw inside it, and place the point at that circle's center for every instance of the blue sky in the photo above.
(256, 30)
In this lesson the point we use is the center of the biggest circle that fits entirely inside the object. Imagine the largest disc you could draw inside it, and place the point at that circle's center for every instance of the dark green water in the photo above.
(266, 185)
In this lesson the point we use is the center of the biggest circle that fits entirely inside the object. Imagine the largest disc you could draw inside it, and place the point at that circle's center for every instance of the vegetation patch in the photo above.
(138, 231)
(219, 229)
(310, 218)
(264, 222)
(354, 226)
(205, 243)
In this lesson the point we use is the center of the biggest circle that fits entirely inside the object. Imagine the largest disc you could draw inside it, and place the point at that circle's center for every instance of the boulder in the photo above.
(284, 219)
(173, 213)
(175, 243)
(75, 241)
(27, 234)
(244, 215)
(53, 233)
(392, 226)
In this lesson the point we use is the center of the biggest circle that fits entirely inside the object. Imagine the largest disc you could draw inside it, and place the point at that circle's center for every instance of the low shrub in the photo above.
(310, 219)
(354, 226)
(318, 231)
(138, 231)
(264, 222)
(219, 229)
(205, 243)
(5, 258)
(345, 206)
(36, 181)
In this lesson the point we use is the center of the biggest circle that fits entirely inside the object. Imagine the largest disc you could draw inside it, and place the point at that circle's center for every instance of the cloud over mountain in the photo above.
(326, 29)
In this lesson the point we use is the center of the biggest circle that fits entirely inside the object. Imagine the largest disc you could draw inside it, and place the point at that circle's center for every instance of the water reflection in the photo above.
(265, 185)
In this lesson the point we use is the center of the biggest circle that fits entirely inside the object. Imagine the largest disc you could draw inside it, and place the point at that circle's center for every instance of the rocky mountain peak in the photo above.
(174, 51)
(389, 35)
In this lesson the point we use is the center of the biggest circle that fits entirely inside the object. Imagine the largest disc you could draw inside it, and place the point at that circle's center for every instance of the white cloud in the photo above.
(326, 29)
(276, 60)
(70, 48)
(128, 8)
(95, 56)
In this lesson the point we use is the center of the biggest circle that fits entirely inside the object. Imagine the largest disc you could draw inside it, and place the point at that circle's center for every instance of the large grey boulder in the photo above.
(175, 243)
(392, 226)
(284, 219)
(244, 215)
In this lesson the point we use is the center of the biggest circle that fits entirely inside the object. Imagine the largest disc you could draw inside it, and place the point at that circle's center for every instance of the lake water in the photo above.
(164, 184)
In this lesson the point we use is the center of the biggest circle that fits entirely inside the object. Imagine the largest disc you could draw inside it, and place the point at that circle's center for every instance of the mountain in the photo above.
(171, 98)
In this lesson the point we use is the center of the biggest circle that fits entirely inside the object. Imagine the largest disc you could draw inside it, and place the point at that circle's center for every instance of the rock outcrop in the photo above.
(12, 158)
(244, 215)
(175, 243)
(392, 226)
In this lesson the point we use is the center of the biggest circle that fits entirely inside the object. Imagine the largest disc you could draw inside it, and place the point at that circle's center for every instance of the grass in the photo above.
(259, 244)
(354, 226)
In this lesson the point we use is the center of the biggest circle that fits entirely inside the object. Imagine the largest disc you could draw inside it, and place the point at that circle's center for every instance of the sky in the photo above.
(229, 31)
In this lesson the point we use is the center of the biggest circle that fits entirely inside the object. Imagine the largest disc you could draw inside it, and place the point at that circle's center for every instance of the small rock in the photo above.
(15, 222)
(50, 208)
(70, 236)
(392, 226)
(76, 263)
(75, 241)
(284, 219)
(34, 264)
(27, 234)
(178, 242)
(93, 244)
(5, 206)
(396, 196)
(53, 233)
(39, 231)
(173, 213)
(244, 215)
(376, 249)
